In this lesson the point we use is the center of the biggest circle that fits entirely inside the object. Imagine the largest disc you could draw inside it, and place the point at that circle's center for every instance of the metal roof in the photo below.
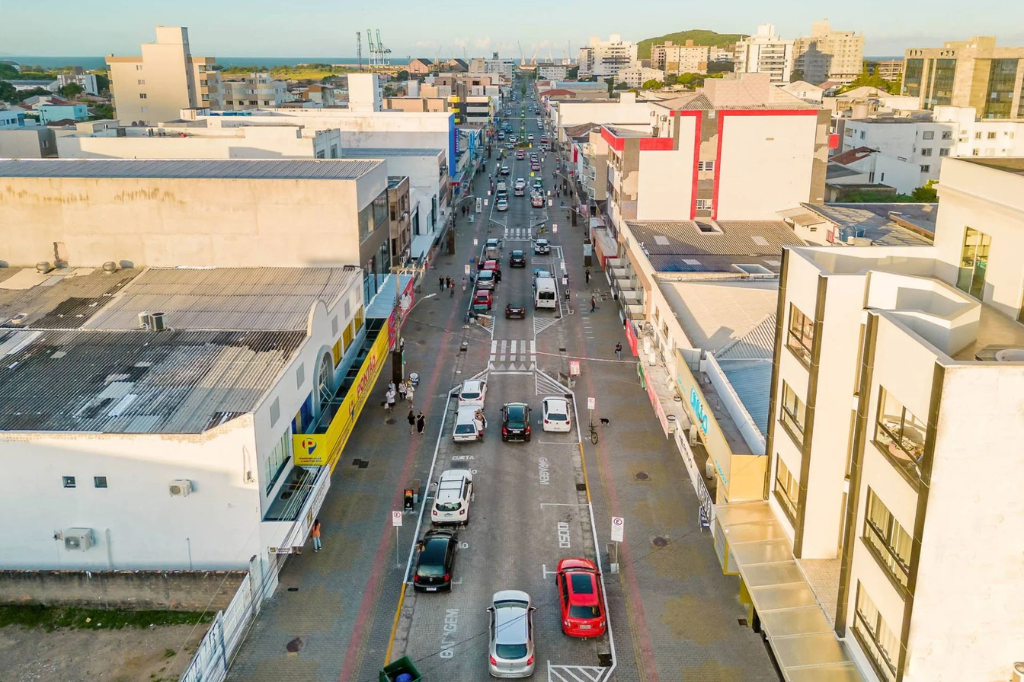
(716, 315)
(751, 379)
(731, 238)
(229, 169)
(373, 152)
(757, 344)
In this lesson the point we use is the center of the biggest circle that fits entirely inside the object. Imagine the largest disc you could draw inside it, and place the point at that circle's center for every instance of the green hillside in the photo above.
(699, 36)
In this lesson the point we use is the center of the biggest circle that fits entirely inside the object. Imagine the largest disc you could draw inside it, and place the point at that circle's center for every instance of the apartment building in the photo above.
(552, 72)
(890, 69)
(166, 78)
(86, 81)
(253, 91)
(896, 369)
(974, 73)
(636, 76)
(399, 218)
(497, 65)
(676, 59)
(828, 55)
(604, 58)
(765, 52)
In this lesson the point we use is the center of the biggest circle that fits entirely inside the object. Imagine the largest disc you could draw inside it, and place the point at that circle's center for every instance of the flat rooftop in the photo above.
(1012, 165)
(74, 358)
(379, 152)
(227, 169)
(891, 224)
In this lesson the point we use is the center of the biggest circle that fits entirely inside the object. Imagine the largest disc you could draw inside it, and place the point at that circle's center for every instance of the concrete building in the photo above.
(626, 110)
(66, 111)
(895, 368)
(808, 92)
(603, 58)
(676, 59)
(890, 69)
(828, 55)
(12, 118)
(420, 66)
(27, 142)
(399, 219)
(165, 79)
(552, 72)
(364, 93)
(86, 81)
(255, 90)
(495, 65)
(765, 52)
(974, 73)
(636, 76)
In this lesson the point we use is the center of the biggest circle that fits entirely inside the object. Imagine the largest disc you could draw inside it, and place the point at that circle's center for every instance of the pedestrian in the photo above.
(317, 544)
(391, 396)
(391, 385)
(451, 290)
(479, 426)
(421, 421)
(401, 389)
(409, 393)
(618, 350)
(593, 304)
(587, 275)
(412, 421)
(440, 283)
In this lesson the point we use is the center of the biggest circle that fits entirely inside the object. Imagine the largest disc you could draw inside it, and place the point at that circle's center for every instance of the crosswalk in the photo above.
(517, 234)
(510, 355)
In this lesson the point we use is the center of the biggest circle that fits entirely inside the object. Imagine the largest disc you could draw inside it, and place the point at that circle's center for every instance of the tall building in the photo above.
(253, 91)
(161, 82)
(829, 55)
(889, 69)
(765, 52)
(606, 58)
(676, 59)
(974, 73)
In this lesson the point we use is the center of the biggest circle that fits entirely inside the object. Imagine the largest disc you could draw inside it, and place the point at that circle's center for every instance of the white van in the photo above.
(545, 295)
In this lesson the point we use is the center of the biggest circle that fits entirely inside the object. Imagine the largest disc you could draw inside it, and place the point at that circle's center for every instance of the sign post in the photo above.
(396, 521)
(618, 526)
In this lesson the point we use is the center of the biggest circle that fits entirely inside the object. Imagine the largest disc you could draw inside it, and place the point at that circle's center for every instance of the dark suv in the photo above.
(436, 561)
(515, 422)
(517, 259)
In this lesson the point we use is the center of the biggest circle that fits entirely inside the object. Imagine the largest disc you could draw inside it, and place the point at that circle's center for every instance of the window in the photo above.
(928, 135)
(380, 209)
(848, 132)
(142, 81)
(320, 153)
(99, 481)
(974, 262)
(862, 134)
(142, 95)
(787, 491)
(977, 136)
(947, 135)
(68, 481)
(926, 168)
(890, 543)
(793, 414)
(801, 335)
(991, 136)
(879, 642)
(705, 165)
(278, 457)
(926, 151)
(975, 152)
(703, 204)
(899, 433)
(944, 151)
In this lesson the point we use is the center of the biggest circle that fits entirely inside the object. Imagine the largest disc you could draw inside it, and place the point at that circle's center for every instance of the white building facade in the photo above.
(604, 58)
(765, 52)
(255, 91)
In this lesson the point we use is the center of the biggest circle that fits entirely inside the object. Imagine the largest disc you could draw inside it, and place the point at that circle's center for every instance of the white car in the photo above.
(466, 428)
(511, 651)
(501, 204)
(556, 414)
(472, 393)
(452, 497)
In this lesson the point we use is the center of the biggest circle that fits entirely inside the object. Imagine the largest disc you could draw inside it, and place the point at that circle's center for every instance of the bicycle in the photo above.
(593, 433)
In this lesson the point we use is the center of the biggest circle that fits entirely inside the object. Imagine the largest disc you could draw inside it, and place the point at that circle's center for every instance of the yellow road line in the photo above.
(394, 625)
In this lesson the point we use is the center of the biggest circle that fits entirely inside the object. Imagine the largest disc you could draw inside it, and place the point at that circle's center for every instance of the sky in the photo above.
(428, 28)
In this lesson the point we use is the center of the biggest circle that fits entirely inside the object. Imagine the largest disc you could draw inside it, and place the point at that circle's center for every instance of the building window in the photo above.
(899, 433)
(975, 152)
(977, 136)
(862, 134)
(879, 642)
(706, 165)
(947, 135)
(142, 81)
(99, 481)
(887, 538)
(793, 414)
(974, 262)
(320, 154)
(991, 135)
(68, 481)
(801, 335)
(380, 209)
(1001, 81)
(927, 151)
(928, 135)
(703, 204)
(926, 168)
(787, 491)
(944, 151)
(943, 74)
(142, 95)
(277, 459)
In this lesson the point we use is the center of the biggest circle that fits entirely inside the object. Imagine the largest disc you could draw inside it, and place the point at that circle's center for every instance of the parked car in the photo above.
(538, 184)
(515, 310)
(436, 561)
(452, 497)
(482, 301)
(494, 266)
(515, 422)
(519, 188)
(466, 430)
(510, 145)
(579, 594)
(485, 279)
(473, 392)
(544, 140)
(541, 246)
(537, 200)
(541, 273)
(501, 204)
(530, 137)
(517, 259)
(555, 412)
(511, 649)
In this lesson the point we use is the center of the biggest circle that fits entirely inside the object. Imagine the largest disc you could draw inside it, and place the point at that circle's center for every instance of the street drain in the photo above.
(356, 462)
(581, 487)
(742, 621)
(294, 646)
(293, 589)
(642, 476)
(364, 463)
(660, 541)
(604, 660)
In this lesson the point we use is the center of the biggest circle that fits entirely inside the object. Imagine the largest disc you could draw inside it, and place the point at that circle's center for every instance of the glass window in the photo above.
(277, 459)
(927, 151)
(999, 96)
(974, 262)
(891, 543)
(793, 413)
(787, 490)
(947, 135)
(380, 209)
(801, 335)
(944, 151)
(928, 135)
(880, 643)
(99, 481)
(68, 481)
(900, 433)
(943, 73)
(925, 168)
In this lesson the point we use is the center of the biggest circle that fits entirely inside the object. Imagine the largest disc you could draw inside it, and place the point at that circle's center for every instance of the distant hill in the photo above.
(699, 36)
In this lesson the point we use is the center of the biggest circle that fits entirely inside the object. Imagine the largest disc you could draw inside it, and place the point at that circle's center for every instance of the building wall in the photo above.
(254, 143)
(27, 143)
(627, 111)
(226, 223)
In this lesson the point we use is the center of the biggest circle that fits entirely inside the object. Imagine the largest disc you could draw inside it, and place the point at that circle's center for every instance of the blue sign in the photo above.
(698, 410)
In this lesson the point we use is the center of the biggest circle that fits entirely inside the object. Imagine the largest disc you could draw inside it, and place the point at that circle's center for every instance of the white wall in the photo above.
(286, 142)
(665, 180)
(576, 113)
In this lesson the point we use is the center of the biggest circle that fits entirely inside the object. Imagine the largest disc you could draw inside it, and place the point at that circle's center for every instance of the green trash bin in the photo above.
(390, 672)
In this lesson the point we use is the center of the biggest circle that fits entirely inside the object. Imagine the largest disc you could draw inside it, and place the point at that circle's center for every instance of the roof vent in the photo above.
(110, 266)
(43, 266)
(144, 320)
(156, 322)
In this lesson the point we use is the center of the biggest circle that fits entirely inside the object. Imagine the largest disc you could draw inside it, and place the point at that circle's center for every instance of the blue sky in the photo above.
(273, 28)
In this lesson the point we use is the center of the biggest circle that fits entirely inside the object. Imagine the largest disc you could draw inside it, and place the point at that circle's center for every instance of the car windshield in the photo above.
(470, 395)
(486, 275)
(516, 416)
(517, 254)
(557, 416)
(510, 652)
(584, 611)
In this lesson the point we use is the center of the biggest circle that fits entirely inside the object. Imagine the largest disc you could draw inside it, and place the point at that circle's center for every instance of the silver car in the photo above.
(485, 279)
(511, 652)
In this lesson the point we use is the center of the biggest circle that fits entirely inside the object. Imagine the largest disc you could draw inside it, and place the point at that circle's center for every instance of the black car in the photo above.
(515, 310)
(436, 561)
(515, 422)
(517, 259)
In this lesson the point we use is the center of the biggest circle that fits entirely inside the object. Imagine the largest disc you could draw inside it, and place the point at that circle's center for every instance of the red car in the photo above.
(494, 266)
(482, 301)
(579, 593)
(520, 154)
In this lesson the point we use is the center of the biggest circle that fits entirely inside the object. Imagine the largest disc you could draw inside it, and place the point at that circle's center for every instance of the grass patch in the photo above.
(51, 618)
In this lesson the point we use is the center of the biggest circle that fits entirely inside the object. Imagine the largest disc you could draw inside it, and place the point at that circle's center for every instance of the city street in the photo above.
(339, 614)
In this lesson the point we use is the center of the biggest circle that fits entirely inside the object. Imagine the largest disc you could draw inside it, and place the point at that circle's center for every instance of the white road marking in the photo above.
(575, 673)
(545, 572)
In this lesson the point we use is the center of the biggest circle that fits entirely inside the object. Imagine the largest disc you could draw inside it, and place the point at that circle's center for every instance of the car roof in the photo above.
(454, 474)
(473, 384)
(517, 252)
(555, 400)
(487, 274)
(465, 415)
(517, 406)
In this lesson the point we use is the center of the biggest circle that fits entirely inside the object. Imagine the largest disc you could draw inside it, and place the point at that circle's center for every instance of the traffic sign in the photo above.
(396, 518)
(591, 403)
(467, 269)
(574, 368)
(554, 227)
(618, 526)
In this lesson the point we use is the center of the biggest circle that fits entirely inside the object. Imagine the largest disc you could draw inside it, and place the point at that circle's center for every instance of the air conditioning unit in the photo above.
(181, 487)
(693, 438)
(709, 469)
(78, 539)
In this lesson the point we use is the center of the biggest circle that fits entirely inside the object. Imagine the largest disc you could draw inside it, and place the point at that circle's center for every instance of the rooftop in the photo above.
(884, 224)
(1012, 165)
(716, 315)
(75, 359)
(232, 169)
(377, 152)
(852, 155)
(834, 171)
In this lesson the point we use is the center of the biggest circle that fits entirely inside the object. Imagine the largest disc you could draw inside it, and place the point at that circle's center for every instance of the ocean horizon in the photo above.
(89, 63)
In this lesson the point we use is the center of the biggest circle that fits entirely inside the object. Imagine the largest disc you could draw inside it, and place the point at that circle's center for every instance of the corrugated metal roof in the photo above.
(59, 299)
(752, 380)
(372, 152)
(231, 169)
(134, 382)
(716, 315)
(736, 237)
(756, 344)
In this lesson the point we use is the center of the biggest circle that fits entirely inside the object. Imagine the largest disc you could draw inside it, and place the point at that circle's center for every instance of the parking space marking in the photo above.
(545, 571)
(575, 673)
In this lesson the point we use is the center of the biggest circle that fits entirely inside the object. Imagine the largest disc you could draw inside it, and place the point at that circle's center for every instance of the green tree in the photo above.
(720, 67)
(402, 75)
(926, 193)
(102, 111)
(573, 73)
(7, 92)
(72, 90)
(671, 79)
(622, 86)
(796, 75)
(872, 81)
(652, 84)
(25, 94)
(102, 82)
(611, 85)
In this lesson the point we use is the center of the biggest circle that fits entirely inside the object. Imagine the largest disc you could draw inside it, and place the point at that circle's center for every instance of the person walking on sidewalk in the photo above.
(618, 351)
(412, 421)
(593, 304)
(421, 421)
(587, 275)
(391, 396)
(317, 544)
(402, 386)
(409, 393)
(440, 283)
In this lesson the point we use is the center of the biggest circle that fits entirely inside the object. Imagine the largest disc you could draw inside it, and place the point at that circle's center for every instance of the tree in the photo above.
(102, 112)
(402, 75)
(25, 94)
(8, 93)
(872, 81)
(796, 75)
(671, 79)
(102, 82)
(622, 86)
(720, 67)
(72, 90)
(611, 84)
(926, 193)
(652, 84)
(573, 73)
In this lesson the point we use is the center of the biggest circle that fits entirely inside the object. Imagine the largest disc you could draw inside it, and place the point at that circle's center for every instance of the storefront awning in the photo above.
(750, 541)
